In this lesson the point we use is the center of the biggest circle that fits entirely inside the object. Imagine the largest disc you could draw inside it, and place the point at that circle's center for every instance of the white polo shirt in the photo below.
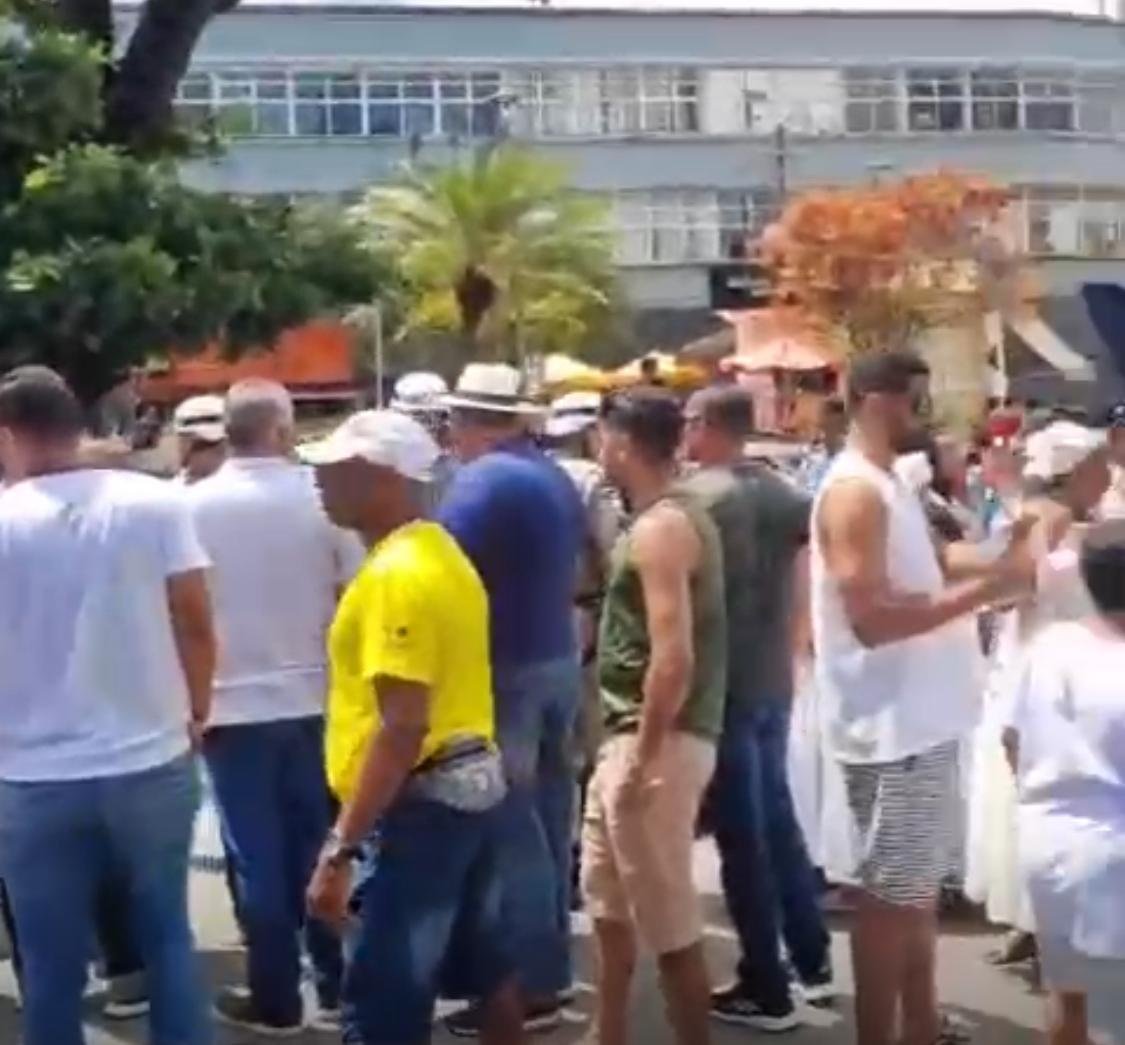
(278, 564)
(1070, 715)
(90, 680)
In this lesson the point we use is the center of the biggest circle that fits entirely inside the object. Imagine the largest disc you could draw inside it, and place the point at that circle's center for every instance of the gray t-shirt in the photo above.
(763, 521)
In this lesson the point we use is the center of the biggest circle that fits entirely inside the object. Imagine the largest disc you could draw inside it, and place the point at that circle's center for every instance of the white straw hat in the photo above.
(491, 387)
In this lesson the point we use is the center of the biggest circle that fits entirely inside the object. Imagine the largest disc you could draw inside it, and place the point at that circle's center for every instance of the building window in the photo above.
(1049, 102)
(1098, 98)
(995, 99)
(195, 98)
(561, 103)
(871, 105)
(742, 217)
(935, 99)
(655, 101)
(688, 226)
(328, 105)
(345, 104)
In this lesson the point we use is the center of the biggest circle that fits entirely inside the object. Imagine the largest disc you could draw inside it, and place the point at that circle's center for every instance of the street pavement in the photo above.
(1000, 1006)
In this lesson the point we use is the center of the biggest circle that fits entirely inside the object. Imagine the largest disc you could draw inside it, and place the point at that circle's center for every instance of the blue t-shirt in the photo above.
(517, 516)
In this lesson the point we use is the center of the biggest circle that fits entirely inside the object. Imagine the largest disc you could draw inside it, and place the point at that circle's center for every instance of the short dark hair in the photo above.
(834, 407)
(888, 373)
(1103, 566)
(651, 417)
(726, 408)
(36, 401)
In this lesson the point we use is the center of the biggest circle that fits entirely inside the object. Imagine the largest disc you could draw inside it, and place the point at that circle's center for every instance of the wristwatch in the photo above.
(338, 853)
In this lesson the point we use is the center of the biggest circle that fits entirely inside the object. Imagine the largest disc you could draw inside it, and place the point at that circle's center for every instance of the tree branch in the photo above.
(139, 106)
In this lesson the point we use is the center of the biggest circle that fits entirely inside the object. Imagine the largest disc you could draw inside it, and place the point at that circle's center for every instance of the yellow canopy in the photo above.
(669, 371)
(563, 373)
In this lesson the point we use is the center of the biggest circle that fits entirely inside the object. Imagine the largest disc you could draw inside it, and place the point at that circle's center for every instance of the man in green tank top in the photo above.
(662, 677)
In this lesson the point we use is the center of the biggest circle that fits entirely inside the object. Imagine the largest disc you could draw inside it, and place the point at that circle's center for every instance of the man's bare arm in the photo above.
(189, 607)
(392, 753)
(665, 551)
(853, 530)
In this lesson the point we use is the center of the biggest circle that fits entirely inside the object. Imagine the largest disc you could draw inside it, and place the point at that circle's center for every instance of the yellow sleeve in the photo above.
(399, 637)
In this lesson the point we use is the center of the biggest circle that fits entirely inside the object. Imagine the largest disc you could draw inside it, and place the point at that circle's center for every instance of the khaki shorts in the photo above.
(637, 860)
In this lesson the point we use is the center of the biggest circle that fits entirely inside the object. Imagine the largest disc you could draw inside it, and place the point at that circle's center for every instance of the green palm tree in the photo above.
(498, 248)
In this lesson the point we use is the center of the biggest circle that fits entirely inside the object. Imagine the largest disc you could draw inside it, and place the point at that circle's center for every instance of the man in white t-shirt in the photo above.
(108, 653)
(277, 566)
(896, 665)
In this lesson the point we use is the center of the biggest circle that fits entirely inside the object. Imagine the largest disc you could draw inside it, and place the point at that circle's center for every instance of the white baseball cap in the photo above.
(572, 413)
(201, 417)
(420, 392)
(1058, 449)
(382, 437)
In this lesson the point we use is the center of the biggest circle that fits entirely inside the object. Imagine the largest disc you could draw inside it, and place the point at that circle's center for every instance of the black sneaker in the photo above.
(237, 1009)
(540, 1016)
(819, 990)
(734, 1005)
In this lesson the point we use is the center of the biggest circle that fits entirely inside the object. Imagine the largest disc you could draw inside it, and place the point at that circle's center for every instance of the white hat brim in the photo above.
(327, 451)
(568, 424)
(490, 406)
(403, 406)
(205, 431)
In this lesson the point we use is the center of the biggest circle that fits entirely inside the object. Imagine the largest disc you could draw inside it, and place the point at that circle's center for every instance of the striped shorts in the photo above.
(906, 817)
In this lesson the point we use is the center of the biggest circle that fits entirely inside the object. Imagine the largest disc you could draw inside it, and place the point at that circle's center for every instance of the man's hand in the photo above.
(328, 893)
(637, 786)
(1015, 570)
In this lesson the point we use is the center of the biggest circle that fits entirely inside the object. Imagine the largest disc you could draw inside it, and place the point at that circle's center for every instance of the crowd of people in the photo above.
(411, 656)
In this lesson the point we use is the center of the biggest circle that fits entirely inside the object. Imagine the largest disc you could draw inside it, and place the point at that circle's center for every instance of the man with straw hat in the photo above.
(517, 516)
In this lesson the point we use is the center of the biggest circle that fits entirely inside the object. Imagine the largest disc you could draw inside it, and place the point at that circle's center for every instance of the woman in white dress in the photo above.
(1065, 476)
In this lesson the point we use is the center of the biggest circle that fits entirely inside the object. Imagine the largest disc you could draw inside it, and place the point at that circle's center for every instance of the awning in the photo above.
(1047, 344)
(1105, 305)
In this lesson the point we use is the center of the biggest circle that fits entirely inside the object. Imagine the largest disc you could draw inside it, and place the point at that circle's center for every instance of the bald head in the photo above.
(259, 419)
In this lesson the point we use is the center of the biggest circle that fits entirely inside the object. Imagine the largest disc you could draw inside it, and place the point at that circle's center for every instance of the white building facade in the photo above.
(694, 124)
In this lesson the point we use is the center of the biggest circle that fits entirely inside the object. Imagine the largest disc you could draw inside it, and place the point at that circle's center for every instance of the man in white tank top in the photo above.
(896, 663)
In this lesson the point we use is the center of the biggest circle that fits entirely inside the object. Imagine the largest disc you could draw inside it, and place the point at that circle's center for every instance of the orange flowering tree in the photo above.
(879, 263)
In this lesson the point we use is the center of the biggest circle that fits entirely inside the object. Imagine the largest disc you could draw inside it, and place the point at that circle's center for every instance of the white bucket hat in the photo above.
(491, 387)
(382, 437)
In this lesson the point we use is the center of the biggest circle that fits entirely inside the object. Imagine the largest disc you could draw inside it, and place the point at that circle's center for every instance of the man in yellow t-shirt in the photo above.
(410, 751)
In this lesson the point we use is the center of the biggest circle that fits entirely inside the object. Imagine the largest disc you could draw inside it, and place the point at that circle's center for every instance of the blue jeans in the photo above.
(60, 843)
(768, 879)
(536, 709)
(427, 922)
(275, 810)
